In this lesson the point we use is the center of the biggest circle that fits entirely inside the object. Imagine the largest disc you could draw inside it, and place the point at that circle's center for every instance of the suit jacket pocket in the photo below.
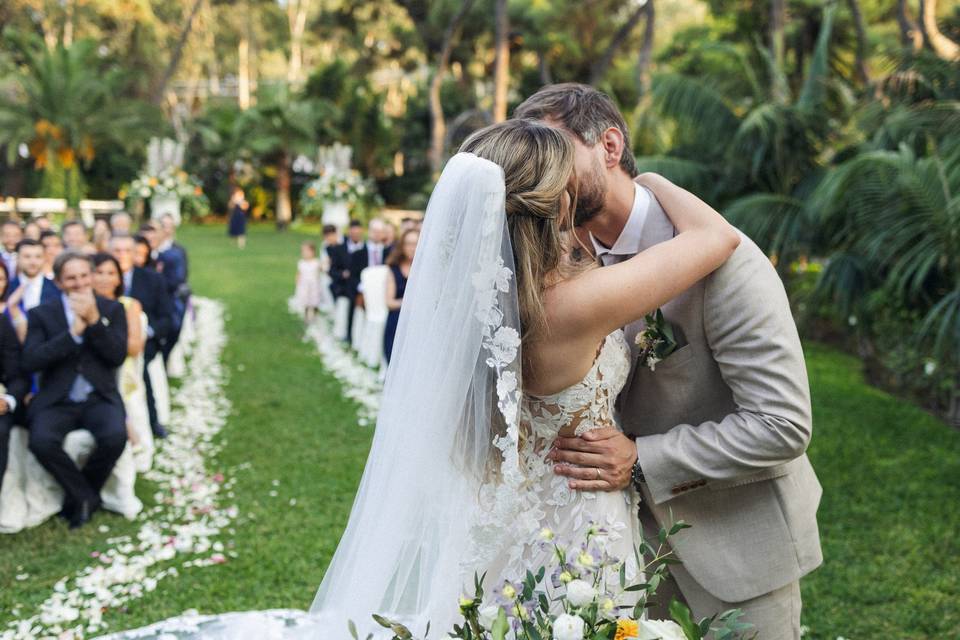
(677, 358)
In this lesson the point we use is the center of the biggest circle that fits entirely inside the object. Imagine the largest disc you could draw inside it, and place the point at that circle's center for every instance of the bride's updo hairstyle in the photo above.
(537, 163)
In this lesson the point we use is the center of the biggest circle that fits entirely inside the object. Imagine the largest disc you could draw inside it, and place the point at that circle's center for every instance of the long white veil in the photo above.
(435, 503)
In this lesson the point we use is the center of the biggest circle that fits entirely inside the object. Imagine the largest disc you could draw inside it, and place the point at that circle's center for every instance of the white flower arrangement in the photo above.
(585, 597)
(169, 181)
(337, 186)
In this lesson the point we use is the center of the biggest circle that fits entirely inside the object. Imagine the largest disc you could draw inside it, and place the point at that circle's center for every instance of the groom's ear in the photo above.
(613, 146)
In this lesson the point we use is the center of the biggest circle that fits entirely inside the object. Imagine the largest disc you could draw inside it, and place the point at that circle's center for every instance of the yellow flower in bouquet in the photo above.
(627, 628)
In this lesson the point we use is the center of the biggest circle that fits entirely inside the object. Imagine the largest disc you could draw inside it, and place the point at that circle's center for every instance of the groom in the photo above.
(716, 433)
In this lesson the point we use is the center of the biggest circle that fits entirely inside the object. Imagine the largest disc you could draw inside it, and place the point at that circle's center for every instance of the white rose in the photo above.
(660, 630)
(488, 615)
(568, 627)
(580, 593)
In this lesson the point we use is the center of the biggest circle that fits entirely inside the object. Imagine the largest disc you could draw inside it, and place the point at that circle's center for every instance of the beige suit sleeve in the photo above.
(753, 337)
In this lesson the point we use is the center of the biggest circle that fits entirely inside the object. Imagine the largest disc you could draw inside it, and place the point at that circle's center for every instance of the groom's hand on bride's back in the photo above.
(604, 460)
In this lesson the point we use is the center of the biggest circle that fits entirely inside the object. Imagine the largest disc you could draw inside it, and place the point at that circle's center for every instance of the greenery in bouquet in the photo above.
(586, 595)
(349, 187)
(170, 181)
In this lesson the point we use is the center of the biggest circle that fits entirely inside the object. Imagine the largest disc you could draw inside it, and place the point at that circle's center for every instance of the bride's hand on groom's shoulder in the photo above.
(603, 460)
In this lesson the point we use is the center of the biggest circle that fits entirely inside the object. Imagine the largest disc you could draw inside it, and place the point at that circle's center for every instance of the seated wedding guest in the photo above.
(77, 342)
(149, 289)
(10, 236)
(400, 260)
(149, 231)
(14, 383)
(389, 234)
(36, 288)
(121, 222)
(173, 265)
(44, 223)
(32, 230)
(108, 283)
(101, 235)
(142, 253)
(52, 247)
(74, 235)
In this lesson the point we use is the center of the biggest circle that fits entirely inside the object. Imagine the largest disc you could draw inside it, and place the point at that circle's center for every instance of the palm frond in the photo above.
(814, 84)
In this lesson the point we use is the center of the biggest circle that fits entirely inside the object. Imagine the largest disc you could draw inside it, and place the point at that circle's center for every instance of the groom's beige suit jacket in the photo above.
(722, 426)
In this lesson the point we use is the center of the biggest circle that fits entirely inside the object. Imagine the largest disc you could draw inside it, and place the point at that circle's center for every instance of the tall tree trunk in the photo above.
(297, 19)
(910, 34)
(943, 46)
(501, 72)
(69, 17)
(646, 52)
(863, 73)
(243, 72)
(599, 68)
(171, 69)
(284, 209)
(438, 126)
(543, 64)
(778, 23)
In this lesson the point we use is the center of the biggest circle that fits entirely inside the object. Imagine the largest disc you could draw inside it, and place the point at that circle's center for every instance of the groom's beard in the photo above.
(591, 197)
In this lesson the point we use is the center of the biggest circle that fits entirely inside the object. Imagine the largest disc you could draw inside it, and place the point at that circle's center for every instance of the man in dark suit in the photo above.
(371, 253)
(149, 289)
(37, 288)
(173, 266)
(76, 343)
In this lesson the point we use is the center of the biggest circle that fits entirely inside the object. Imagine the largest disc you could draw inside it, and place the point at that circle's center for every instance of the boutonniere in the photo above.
(656, 341)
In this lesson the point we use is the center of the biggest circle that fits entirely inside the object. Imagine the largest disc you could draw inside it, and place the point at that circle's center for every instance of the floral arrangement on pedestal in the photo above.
(170, 182)
(586, 596)
(346, 187)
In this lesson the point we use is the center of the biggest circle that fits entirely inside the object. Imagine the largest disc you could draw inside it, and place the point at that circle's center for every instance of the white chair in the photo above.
(30, 495)
(374, 281)
(341, 311)
(161, 388)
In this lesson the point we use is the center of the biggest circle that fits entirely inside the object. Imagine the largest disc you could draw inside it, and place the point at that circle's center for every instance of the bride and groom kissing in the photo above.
(580, 348)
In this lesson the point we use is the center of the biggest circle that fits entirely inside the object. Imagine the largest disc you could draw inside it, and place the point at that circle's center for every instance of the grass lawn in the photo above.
(889, 518)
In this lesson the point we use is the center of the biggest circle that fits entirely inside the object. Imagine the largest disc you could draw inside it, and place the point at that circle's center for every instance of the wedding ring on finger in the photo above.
(599, 477)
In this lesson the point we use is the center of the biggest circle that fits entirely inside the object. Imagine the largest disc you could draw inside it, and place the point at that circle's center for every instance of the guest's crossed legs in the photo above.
(51, 425)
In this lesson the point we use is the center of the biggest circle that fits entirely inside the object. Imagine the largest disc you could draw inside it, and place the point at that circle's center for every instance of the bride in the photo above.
(507, 339)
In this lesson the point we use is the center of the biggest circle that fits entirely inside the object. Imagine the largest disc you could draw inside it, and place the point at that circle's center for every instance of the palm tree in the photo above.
(275, 131)
(66, 103)
(754, 150)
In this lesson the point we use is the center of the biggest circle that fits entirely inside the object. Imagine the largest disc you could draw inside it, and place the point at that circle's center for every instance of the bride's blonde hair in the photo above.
(538, 167)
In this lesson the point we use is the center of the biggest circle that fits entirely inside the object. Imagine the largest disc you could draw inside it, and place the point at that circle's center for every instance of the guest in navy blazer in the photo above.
(173, 265)
(36, 288)
(77, 342)
(149, 289)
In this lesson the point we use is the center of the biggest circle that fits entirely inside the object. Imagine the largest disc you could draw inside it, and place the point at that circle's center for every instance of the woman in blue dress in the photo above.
(399, 262)
(238, 217)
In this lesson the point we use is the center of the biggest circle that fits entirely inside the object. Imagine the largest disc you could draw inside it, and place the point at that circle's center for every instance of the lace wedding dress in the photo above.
(548, 504)
(457, 483)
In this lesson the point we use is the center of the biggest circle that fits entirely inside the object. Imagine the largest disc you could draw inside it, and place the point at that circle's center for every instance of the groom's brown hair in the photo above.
(584, 111)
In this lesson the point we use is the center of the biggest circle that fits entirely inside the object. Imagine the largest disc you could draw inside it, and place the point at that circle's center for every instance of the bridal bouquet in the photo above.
(586, 596)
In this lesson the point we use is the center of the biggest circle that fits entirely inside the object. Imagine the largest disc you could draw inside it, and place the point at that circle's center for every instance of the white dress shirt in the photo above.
(375, 251)
(32, 289)
(628, 243)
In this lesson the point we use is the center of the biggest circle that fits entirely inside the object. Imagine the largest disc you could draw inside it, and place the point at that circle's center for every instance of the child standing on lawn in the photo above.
(309, 295)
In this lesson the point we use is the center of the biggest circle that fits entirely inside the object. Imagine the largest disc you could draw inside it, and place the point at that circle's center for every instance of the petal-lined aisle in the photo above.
(181, 531)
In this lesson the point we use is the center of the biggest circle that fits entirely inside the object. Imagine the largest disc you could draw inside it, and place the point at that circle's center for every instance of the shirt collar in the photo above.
(628, 243)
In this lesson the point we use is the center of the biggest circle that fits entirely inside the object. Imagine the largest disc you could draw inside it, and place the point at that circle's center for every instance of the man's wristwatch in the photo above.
(637, 476)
